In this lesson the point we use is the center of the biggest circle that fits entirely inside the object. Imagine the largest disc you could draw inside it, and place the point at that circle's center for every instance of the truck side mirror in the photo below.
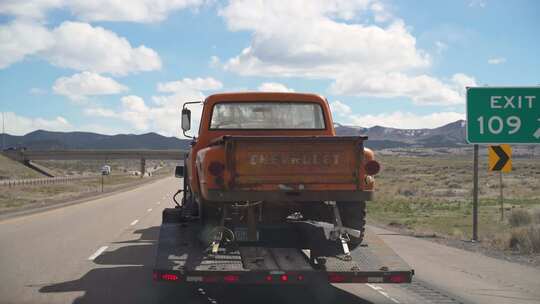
(186, 119)
(179, 171)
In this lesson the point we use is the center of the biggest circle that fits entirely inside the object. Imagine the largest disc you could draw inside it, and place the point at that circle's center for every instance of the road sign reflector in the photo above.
(500, 158)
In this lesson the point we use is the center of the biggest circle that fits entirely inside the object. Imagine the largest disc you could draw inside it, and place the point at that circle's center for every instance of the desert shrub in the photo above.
(535, 214)
(525, 239)
(518, 218)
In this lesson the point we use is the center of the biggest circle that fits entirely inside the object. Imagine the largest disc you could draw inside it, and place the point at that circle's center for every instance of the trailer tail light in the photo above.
(169, 277)
(216, 168)
(398, 278)
(336, 278)
(372, 167)
(300, 277)
(231, 278)
(268, 278)
(284, 278)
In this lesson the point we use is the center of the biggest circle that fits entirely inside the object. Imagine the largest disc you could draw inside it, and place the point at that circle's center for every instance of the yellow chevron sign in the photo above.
(500, 158)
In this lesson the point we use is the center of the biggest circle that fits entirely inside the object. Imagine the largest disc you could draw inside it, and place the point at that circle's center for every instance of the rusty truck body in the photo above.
(268, 186)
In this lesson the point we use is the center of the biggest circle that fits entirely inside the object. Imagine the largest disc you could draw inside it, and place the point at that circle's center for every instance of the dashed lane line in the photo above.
(134, 223)
(97, 253)
(381, 291)
(149, 209)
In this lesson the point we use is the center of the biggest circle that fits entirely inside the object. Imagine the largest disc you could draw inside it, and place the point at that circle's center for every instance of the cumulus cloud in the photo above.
(81, 46)
(200, 84)
(273, 87)
(78, 86)
(422, 89)
(100, 10)
(325, 39)
(496, 60)
(75, 45)
(340, 109)
(162, 113)
(20, 125)
(20, 38)
(405, 120)
(308, 38)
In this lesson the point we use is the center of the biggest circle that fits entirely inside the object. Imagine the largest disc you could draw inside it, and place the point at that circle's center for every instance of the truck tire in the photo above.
(353, 215)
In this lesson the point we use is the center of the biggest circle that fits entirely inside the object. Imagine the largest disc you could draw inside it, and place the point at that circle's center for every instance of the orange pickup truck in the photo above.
(278, 150)
(272, 196)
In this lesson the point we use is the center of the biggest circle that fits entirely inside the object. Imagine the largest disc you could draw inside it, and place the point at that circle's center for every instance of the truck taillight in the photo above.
(372, 167)
(216, 168)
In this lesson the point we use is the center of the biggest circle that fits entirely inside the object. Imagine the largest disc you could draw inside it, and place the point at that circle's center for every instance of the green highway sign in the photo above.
(503, 115)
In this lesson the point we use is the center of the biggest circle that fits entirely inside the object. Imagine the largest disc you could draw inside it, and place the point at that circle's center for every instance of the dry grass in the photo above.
(518, 218)
(433, 194)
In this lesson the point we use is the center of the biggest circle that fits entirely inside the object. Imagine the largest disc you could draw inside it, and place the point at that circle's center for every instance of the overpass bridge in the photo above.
(27, 156)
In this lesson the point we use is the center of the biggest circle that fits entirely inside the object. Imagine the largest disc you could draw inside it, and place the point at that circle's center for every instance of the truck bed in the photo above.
(181, 257)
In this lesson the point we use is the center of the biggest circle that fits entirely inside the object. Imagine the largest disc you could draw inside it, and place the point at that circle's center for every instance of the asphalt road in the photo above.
(102, 251)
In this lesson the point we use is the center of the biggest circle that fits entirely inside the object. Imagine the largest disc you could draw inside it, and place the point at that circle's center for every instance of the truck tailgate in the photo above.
(294, 160)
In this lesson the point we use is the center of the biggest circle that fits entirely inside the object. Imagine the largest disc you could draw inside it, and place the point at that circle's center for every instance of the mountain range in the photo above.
(450, 135)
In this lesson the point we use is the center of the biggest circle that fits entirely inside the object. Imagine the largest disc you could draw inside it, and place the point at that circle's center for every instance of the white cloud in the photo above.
(200, 84)
(405, 120)
(100, 10)
(496, 60)
(75, 45)
(340, 109)
(19, 39)
(422, 89)
(162, 115)
(33, 9)
(81, 85)
(20, 125)
(440, 47)
(309, 39)
(477, 3)
(273, 87)
(81, 46)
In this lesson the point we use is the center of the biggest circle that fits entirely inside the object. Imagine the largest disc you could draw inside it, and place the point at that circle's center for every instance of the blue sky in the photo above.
(106, 67)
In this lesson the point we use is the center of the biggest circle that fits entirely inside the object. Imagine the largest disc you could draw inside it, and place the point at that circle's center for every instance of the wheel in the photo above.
(353, 215)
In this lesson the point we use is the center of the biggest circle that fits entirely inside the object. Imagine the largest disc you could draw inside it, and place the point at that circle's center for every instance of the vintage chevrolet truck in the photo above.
(269, 187)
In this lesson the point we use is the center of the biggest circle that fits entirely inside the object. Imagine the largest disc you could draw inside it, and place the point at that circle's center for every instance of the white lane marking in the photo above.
(158, 202)
(382, 292)
(150, 209)
(134, 223)
(97, 253)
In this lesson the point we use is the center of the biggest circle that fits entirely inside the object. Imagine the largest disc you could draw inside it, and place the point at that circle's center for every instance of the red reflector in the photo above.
(336, 278)
(268, 278)
(284, 278)
(169, 277)
(398, 278)
(300, 277)
(155, 276)
(231, 278)
(372, 167)
(216, 168)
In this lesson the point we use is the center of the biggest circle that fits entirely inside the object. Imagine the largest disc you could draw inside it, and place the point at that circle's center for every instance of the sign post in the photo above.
(500, 115)
(500, 159)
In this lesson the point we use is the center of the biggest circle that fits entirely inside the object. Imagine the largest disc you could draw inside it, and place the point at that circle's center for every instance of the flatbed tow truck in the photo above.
(272, 196)
(182, 258)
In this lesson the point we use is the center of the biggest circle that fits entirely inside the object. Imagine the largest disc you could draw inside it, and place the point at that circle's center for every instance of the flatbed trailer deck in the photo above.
(278, 258)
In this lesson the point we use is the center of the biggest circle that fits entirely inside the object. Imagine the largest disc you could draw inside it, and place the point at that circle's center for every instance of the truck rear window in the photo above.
(267, 115)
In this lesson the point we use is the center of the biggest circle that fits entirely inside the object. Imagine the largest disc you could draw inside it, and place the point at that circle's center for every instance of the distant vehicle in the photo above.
(266, 181)
(106, 170)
